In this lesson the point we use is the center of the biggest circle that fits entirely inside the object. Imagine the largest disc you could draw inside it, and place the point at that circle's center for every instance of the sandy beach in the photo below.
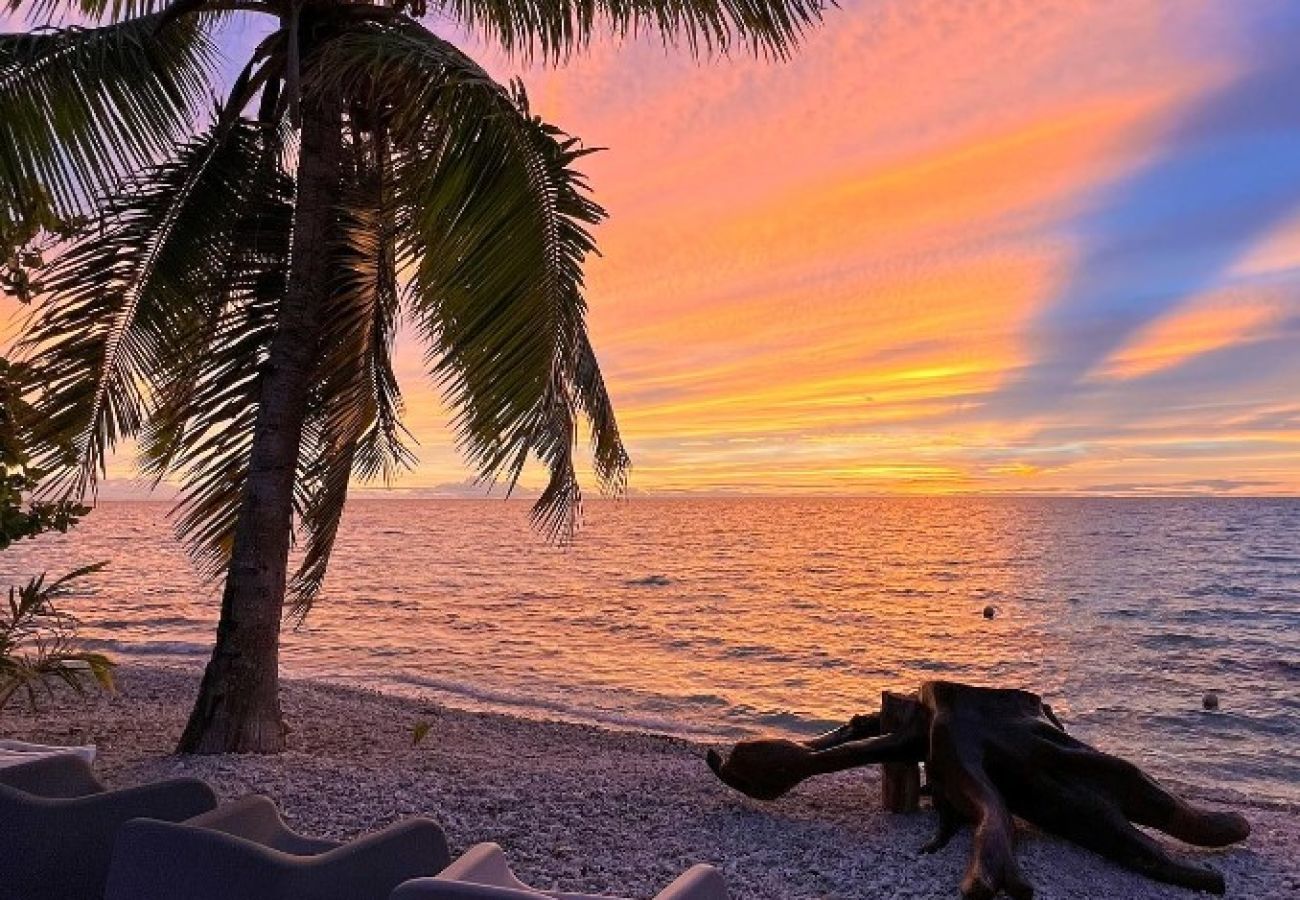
(582, 808)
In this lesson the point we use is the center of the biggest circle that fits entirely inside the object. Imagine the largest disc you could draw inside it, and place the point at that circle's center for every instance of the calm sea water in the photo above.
(720, 618)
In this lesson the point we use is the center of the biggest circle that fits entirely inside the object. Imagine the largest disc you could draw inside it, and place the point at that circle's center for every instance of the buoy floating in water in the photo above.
(1210, 701)
(990, 611)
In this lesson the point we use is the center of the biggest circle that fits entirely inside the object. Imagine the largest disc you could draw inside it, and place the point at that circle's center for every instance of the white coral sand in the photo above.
(582, 808)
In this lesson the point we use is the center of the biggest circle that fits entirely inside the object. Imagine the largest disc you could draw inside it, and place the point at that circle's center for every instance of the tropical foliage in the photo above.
(232, 301)
(38, 642)
(39, 645)
(21, 517)
(156, 321)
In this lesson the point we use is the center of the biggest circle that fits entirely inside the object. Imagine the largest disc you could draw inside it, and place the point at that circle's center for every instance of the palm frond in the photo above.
(382, 450)
(120, 296)
(201, 425)
(494, 221)
(89, 10)
(354, 424)
(608, 453)
(554, 29)
(81, 108)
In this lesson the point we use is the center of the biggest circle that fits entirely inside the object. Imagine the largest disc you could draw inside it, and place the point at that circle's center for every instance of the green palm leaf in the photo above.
(124, 298)
(93, 10)
(205, 406)
(494, 222)
(354, 426)
(608, 453)
(556, 28)
(364, 327)
(80, 108)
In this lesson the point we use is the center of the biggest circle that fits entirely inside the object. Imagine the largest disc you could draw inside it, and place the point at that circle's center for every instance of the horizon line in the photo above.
(713, 495)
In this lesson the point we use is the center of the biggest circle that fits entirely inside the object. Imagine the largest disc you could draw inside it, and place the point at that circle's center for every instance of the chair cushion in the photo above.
(15, 753)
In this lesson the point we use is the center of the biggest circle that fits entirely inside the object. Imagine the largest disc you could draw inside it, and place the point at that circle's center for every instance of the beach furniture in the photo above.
(58, 824)
(54, 775)
(483, 873)
(244, 850)
(13, 753)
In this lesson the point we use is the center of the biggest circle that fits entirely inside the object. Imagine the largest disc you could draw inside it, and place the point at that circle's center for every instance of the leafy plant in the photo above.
(19, 519)
(29, 231)
(38, 643)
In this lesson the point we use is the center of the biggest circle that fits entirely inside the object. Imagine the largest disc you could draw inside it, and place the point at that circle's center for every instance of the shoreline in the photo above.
(591, 808)
(486, 704)
(416, 692)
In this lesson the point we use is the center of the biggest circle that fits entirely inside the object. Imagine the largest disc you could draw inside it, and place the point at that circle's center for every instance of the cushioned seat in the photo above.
(243, 850)
(13, 753)
(58, 825)
(483, 873)
(256, 818)
(60, 775)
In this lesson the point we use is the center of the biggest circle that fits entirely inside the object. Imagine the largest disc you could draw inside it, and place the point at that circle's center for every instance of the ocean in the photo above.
(719, 618)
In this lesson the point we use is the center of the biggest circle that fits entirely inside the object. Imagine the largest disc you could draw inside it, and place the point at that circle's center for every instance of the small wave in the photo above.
(755, 651)
(935, 665)
(789, 721)
(649, 581)
(785, 720)
(1223, 590)
(656, 713)
(1223, 723)
(147, 648)
(147, 623)
(707, 699)
(529, 705)
(1179, 641)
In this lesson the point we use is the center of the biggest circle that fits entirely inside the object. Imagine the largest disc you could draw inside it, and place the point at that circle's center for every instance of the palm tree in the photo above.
(232, 302)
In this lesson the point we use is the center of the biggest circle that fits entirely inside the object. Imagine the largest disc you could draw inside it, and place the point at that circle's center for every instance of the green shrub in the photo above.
(38, 642)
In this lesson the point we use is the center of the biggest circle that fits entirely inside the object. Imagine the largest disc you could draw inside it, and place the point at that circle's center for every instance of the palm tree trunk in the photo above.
(238, 708)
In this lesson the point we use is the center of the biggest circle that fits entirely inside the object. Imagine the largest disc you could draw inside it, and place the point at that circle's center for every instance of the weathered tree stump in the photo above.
(900, 782)
(992, 754)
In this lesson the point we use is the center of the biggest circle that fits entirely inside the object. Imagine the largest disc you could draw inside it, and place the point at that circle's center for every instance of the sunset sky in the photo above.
(1013, 245)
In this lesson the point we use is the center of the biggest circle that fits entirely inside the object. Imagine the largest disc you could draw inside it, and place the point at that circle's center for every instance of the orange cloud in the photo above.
(1212, 323)
(817, 273)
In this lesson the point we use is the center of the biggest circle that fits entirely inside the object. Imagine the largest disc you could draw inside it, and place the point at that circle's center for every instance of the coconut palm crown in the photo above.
(232, 300)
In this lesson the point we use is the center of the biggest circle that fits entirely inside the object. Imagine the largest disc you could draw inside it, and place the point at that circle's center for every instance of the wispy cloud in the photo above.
(1030, 245)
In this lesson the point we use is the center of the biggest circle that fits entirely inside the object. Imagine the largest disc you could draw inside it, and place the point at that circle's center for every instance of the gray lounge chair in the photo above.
(60, 775)
(243, 850)
(58, 824)
(483, 873)
(13, 753)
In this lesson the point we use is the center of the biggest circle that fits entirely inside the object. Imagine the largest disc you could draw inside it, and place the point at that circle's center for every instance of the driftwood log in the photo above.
(990, 755)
